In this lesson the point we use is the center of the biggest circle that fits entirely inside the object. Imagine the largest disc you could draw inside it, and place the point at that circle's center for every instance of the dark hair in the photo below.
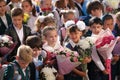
(2, 1)
(107, 17)
(16, 12)
(31, 4)
(94, 6)
(61, 4)
(34, 41)
(95, 20)
(73, 28)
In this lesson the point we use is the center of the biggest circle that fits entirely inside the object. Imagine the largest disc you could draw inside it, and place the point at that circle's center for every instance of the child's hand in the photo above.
(105, 72)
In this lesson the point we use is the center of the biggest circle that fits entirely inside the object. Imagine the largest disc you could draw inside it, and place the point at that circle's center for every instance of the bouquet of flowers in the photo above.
(6, 45)
(112, 5)
(26, 17)
(104, 45)
(67, 60)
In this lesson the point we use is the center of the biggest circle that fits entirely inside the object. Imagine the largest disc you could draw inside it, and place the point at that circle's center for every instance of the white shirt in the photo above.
(50, 49)
(31, 22)
(20, 34)
(4, 20)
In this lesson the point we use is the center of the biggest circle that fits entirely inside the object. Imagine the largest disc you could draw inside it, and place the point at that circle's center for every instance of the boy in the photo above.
(96, 69)
(5, 19)
(35, 43)
(108, 22)
(18, 69)
(94, 8)
(17, 30)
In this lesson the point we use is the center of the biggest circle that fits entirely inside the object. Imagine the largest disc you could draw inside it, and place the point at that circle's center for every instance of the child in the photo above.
(18, 69)
(66, 5)
(17, 30)
(115, 61)
(75, 33)
(29, 9)
(108, 22)
(35, 43)
(96, 69)
(116, 30)
(46, 8)
(12, 4)
(51, 45)
(94, 9)
(5, 19)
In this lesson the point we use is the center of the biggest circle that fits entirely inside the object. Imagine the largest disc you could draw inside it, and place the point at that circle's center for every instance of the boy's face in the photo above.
(47, 4)
(2, 8)
(96, 28)
(116, 58)
(36, 52)
(75, 36)
(51, 38)
(23, 64)
(109, 24)
(97, 13)
(17, 21)
(26, 7)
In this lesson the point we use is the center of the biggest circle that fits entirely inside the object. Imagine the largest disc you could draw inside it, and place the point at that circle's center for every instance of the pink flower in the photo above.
(75, 59)
(105, 40)
(76, 54)
(67, 54)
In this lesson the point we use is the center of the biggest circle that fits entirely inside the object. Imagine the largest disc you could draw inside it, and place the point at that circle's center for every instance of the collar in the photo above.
(73, 44)
(52, 49)
(17, 28)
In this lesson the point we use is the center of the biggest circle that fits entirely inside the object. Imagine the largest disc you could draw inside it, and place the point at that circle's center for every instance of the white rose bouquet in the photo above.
(6, 45)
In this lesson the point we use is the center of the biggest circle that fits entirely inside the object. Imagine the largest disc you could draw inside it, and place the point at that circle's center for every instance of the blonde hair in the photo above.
(24, 53)
(47, 29)
(118, 16)
(47, 20)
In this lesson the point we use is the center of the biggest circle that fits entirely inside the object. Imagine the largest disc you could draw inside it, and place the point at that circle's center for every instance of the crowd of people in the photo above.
(39, 28)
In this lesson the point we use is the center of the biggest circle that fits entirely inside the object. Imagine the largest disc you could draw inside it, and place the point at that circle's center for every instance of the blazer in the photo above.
(2, 25)
(12, 32)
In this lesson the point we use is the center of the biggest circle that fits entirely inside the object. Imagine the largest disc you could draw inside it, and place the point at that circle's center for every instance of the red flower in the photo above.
(105, 40)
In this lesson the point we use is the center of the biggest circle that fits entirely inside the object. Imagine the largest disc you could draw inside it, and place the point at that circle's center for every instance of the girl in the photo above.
(51, 45)
(29, 9)
(75, 33)
(12, 4)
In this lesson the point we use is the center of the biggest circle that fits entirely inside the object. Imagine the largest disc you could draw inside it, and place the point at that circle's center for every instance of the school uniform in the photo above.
(18, 36)
(34, 73)
(116, 31)
(5, 21)
(72, 76)
(15, 72)
(96, 66)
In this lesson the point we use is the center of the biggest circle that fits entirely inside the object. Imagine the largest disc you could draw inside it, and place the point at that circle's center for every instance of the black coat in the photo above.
(2, 25)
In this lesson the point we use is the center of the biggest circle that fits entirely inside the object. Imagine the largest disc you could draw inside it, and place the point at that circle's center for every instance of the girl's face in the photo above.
(51, 38)
(27, 8)
(47, 4)
(96, 28)
(75, 36)
(118, 23)
(17, 21)
(109, 24)
(2, 8)
(36, 52)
